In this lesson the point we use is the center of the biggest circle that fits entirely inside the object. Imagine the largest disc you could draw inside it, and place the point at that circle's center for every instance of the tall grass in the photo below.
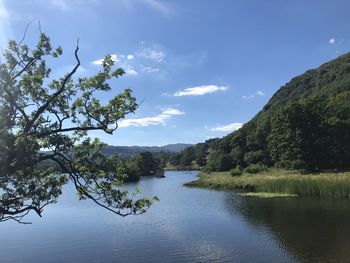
(330, 185)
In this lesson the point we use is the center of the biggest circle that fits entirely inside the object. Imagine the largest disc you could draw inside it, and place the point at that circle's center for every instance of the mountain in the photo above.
(305, 125)
(127, 151)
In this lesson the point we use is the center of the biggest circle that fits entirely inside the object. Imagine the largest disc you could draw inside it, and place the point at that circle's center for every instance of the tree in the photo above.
(149, 165)
(201, 151)
(176, 159)
(187, 157)
(298, 138)
(38, 113)
(133, 170)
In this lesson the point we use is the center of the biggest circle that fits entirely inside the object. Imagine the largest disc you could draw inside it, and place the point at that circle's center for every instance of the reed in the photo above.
(330, 185)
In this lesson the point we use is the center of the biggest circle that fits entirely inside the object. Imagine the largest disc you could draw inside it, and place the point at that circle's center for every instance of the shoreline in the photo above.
(278, 183)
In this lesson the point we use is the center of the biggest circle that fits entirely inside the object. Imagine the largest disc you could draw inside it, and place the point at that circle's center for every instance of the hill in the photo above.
(128, 151)
(305, 125)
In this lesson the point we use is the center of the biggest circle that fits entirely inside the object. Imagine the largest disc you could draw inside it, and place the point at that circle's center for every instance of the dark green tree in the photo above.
(188, 155)
(201, 152)
(38, 113)
(144, 164)
(148, 164)
(133, 170)
(298, 138)
(337, 115)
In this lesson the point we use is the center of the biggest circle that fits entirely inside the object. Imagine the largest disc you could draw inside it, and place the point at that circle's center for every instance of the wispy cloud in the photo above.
(200, 90)
(145, 60)
(252, 96)
(69, 5)
(249, 97)
(130, 71)
(149, 69)
(5, 29)
(228, 128)
(159, 119)
(100, 61)
(152, 54)
(172, 112)
(3, 11)
(260, 93)
(331, 41)
(61, 4)
(159, 7)
(123, 61)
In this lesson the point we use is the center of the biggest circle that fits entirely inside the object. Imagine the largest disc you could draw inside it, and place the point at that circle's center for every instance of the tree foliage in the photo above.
(37, 112)
(144, 164)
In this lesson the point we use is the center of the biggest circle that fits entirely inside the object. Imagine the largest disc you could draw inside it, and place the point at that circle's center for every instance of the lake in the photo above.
(186, 225)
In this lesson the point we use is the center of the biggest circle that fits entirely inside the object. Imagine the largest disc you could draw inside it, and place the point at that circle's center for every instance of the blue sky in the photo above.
(198, 68)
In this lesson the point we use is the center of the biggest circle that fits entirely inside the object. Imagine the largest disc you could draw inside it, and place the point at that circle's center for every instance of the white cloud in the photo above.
(228, 128)
(331, 41)
(152, 54)
(147, 121)
(200, 90)
(130, 71)
(260, 93)
(144, 60)
(129, 68)
(172, 111)
(160, 7)
(249, 97)
(100, 61)
(160, 119)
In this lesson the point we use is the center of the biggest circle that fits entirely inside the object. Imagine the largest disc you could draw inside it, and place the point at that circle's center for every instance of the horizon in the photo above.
(196, 77)
(149, 145)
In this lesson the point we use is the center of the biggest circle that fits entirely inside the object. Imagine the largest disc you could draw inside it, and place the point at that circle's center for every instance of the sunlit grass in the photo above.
(266, 195)
(335, 185)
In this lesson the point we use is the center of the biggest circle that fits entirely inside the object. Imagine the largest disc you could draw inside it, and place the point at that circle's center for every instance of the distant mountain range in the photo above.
(127, 151)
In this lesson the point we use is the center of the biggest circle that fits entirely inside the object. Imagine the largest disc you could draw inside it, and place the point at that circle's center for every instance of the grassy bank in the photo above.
(332, 185)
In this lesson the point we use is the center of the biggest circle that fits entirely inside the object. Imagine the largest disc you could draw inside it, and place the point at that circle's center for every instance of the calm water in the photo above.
(187, 225)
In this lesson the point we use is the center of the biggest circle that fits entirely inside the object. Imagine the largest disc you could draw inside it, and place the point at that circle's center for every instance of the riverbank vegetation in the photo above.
(291, 182)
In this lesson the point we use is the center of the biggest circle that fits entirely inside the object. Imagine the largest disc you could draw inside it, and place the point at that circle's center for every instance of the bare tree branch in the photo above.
(57, 93)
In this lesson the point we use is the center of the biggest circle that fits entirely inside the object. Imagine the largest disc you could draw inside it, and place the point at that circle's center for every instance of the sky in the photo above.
(199, 69)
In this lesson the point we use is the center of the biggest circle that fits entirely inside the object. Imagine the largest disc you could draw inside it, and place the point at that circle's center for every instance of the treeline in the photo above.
(191, 157)
(305, 125)
(144, 164)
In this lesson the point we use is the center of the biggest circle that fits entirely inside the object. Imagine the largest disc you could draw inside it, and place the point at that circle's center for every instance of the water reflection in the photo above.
(187, 225)
(309, 229)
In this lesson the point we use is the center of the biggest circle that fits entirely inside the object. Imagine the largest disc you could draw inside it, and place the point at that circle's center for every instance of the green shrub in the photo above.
(255, 168)
(236, 171)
